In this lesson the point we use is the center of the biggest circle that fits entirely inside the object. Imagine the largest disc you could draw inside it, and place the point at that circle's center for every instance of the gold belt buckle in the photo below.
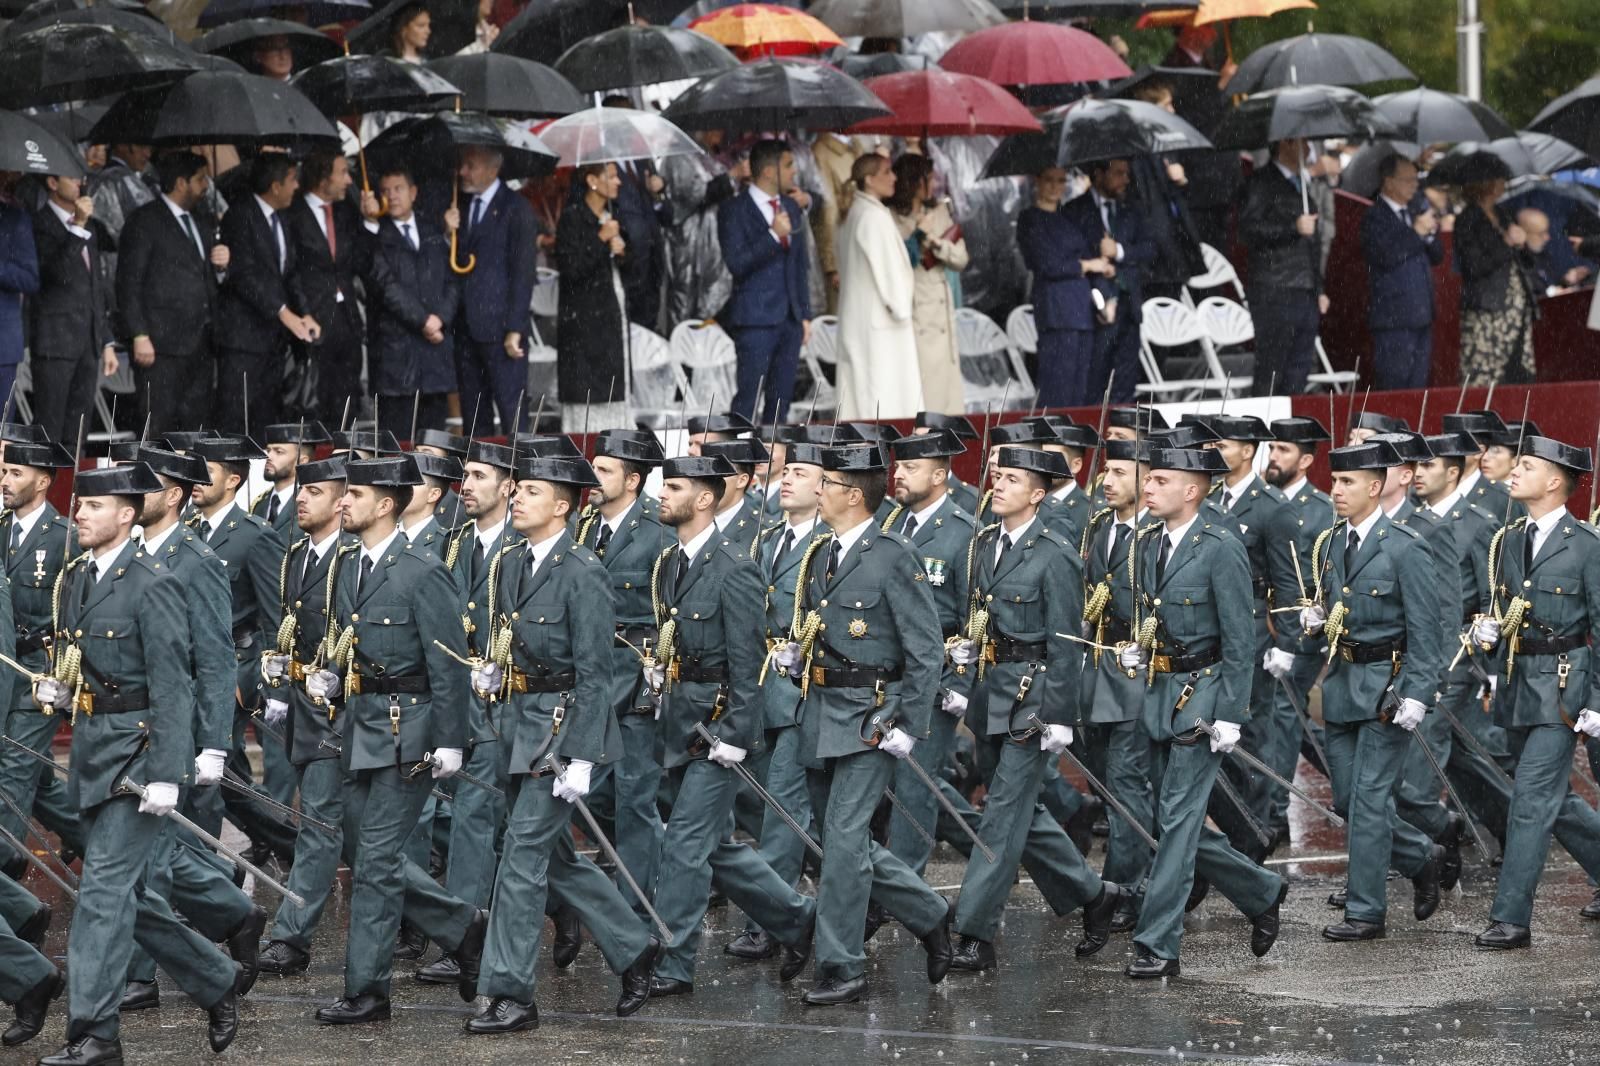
(519, 681)
(1161, 664)
(297, 671)
(674, 670)
(354, 681)
(989, 652)
(86, 702)
(1346, 654)
(819, 675)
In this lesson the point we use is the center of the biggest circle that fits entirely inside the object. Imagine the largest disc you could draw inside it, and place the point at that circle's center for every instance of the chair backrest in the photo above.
(655, 377)
(825, 339)
(706, 352)
(1219, 273)
(1168, 323)
(1022, 329)
(547, 293)
(989, 362)
(1227, 323)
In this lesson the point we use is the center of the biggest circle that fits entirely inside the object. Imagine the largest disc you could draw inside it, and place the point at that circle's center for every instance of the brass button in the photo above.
(1527, 584)
(824, 603)
(823, 626)
(771, 589)
(541, 618)
(355, 640)
(1187, 602)
(471, 606)
(989, 598)
(674, 611)
(1156, 602)
(385, 621)
(515, 616)
(1347, 590)
(858, 603)
(627, 584)
(78, 634)
(297, 604)
(354, 617)
(697, 615)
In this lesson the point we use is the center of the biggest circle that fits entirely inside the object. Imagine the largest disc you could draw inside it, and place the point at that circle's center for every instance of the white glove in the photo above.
(1278, 663)
(964, 653)
(1588, 723)
(953, 702)
(655, 676)
(323, 684)
(208, 767)
(276, 712)
(1485, 631)
(1226, 735)
(273, 667)
(573, 784)
(1131, 657)
(1313, 618)
(1410, 714)
(446, 761)
(725, 754)
(786, 658)
(897, 742)
(52, 693)
(486, 679)
(1055, 738)
(159, 799)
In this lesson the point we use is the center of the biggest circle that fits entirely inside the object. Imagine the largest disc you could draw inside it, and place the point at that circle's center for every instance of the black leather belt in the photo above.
(691, 671)
(1191, 663)
(31, 642)
(1259, 586)
(125, 702)
(1116, 630)
(1004, 649)
(853, 676)
(637, 635)
(1468, 615)
(1379, 652)
(415, 684)
(543, 680)
(1553, 646)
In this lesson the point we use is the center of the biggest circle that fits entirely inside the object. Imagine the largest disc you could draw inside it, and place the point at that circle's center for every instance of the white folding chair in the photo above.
(1170, 324)
(545, 301)
(22, 392)
(119, 384)
(991, 367)
(1233, 331)
(706, 354)
(821, 355)
(1219, 274)
(660, 391)
(1329, 378)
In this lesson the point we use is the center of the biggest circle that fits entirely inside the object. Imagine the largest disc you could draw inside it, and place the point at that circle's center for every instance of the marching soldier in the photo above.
(443, 445)
(1378, 609)
(546, 683)
(709, 429)
(738, 517)
(364, 443)
(28, 981)
(1027, 586)
(1066, 506)
(388, 663)
(1365, 424)
(422, 523)
(964, 495)
(287, 445)
(123, 623)
(1134, 423)
(1194, 644)
(1481, 427)
(1544, 573)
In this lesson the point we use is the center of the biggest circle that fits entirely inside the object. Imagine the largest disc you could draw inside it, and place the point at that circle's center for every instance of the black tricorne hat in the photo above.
(303, 433)
(561, 470)
(960, 425)
(495, 455)
(935, 444)
(1369, 455)
(1569, 457)
(1231, 427)
(448, 443)
(1299, 430)
(697, 466)
(546, 446)
(319, 470)
(856, 458)
(1035, 460)
(43, 456)
(1452, 445)
(1184, 436)
(744, 451)
(1139, 419)
(128, 479)
(1134, 451)
(388, 472)
(726, 423)
(1028, 431)
(1410, 447)
(630, 445)
(227, 449)
(188, 469)
(438, 467)
(366, 440)
(1379, 423)
(1207, 461)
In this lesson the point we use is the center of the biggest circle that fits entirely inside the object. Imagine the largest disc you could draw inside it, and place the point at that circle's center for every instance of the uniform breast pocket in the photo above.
(699, 626)
(111, 645)
(625, 581)
(544, 627)
(385, 633)
(1187, 607)
(853, 616)
(1560, 602)
(1022, 613)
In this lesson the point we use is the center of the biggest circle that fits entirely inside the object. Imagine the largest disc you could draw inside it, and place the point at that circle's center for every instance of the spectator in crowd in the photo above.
(1282, 237)
(641, 205)
(409, 30)
(698, 282)
(167, 296)
(1159, 195)
(878, 376)
(1108, 225)
(412, 297)
(273, 57)
(122, 186)
(70, 317)
(762, 236)
(1061, 258)
(1398, 243)
(938, 255)
(1497, 301)
(592, 324)
(19, 277)
(1554, 264)
(835, 154)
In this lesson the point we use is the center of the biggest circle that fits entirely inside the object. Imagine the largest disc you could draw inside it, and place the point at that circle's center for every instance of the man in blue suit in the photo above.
(1398, 242)
(19, 276)
(498, 229)
(763, 236)
(1103, 215)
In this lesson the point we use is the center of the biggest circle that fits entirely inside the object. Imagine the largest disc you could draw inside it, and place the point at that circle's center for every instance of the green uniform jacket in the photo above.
(1203, 603)
(744, 527)
(1563, 592)
(965, 495)
(134, 634)
(1390, 594)
(561, 622)
(719, 627)
(1304, 515)
(406, 604)
(942, 544)
(1440, 536)
(31, 569)
(472, 604)
(283, 525)
(253, 554)
(639, 538)
(431, 536)
(305, 595)
(1475, 528)
(1068, 517)
(877, 613)
(780, 700)
(1033, 593)
(1492, 497)
(210, 659)
(1109, 694)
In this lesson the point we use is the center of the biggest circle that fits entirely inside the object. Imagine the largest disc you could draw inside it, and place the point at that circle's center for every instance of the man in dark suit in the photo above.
(1397, 242)
(644, 212)
(19, 276)
(763, 237)
(331, 248)
(1103, 215)
(70, 318)
(498, 229)
(412, 299)
(255, 320)
(1284, 285)
(167, 271)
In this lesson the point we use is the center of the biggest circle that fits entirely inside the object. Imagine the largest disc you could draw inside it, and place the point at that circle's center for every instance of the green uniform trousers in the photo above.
(1542, 804)
(1365, 760)
(17, 904)
(1127, 776)
(781, 847)
(1282, 741)
(476, 816)
(316, 853)
(196, 884)
(908, 845)
(21, 965)
(19, 773)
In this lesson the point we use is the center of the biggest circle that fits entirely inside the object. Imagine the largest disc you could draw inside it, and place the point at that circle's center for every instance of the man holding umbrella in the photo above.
(1284, 241)
(19, 276)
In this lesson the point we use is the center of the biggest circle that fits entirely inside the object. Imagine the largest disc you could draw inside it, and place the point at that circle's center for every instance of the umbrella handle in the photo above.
(455, 264)
(361, 155)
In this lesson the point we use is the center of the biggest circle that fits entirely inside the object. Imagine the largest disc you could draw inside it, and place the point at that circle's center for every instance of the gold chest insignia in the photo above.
(858, 628)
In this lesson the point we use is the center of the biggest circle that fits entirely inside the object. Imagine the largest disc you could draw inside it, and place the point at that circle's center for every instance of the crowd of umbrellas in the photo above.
(108, 71)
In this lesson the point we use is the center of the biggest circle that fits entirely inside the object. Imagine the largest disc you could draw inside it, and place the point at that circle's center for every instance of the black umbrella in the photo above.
(1470, 166)
(453, 26)
(642, 55)
(81, 62)
(11, 9)
(1090, 131)
(1574, 117)
(73, 122)
(861, 67)
(237, 41)
(1428, 116)
(509, 87)
(547, 28)
(904, 18)
(1524, 155)
(1304, 111)
(1050, 10)
(315, 13)
(429, 144)
(111, 17)
(352, 85)
(27, 147)
(217, 108)
(1360, 174)
(1316, 59)
(776, 94)
(1187, 84)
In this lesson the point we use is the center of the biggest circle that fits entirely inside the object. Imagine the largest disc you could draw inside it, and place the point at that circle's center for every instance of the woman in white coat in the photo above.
(879, 375)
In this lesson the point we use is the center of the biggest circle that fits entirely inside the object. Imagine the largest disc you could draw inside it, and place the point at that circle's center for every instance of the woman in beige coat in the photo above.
(934, 242)
(878, 375)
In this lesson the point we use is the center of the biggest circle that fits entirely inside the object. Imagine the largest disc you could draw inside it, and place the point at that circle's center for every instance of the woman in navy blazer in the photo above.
(1060, 256)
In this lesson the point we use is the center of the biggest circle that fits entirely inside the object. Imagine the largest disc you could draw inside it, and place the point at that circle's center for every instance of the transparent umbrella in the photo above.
(613, 135)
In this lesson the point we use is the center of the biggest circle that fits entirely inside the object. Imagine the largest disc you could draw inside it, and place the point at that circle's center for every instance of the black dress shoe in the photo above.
(941, 954)
(1590, 909)
(1080, 827)
(1450, 861)
(1097, 920)
(140, 995)
(669, 986)
(972, 955)
(238, 875)
(222, 1021)
(441, 971)
(796, 955)
(832, 991)
(31, 1009)
(718, 898)
(244, 944)
(1350, 929)
(37, 925)
(367, 1007)
(1503, 936)
(876, 916)
(1197, 893)
(1146, 965)
(1425, 886)
(87, 1051)
(469, 953)
(16, 867)
(410, 944)
(1338, 899)
(1126, 917)
(504, 1015)
(283, 959)
(568, 939)
(636, 980)
(1264, 926)
(752, 946)
(1101, 827)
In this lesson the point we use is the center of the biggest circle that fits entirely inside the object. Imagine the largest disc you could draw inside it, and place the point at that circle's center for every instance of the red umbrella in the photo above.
(1035, 53)
(939, 103)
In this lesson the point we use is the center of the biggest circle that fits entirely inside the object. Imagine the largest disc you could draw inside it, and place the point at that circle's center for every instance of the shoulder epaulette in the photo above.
(893, 517)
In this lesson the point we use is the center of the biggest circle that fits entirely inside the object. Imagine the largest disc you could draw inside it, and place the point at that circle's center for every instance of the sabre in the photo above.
(31, 675)
(1505, 520)
(1250, 819)
(437, 792)
(33, 828)
(36, 862)
(1307, 726)
(1476, 745)
(1105, 794)
(949, 808)
(129, 786)
(240, 785)
(1096, 645)
(1272, 775)
(1455, 797)
(604, 844)
(460, 774)
(1461, 397)
(1100, 430)
(766, 797)
(894, 801)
